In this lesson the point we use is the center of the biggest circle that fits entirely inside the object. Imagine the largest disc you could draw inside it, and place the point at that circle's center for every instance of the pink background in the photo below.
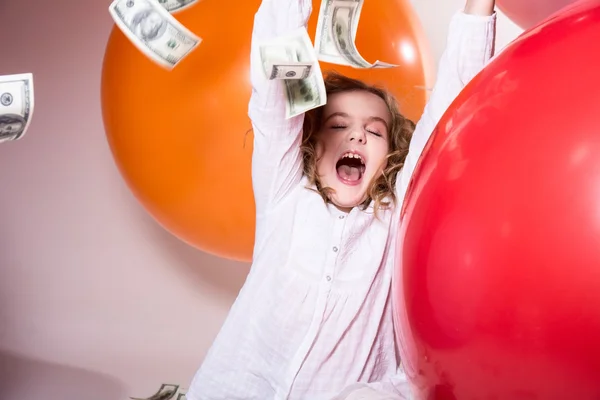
(98, 302)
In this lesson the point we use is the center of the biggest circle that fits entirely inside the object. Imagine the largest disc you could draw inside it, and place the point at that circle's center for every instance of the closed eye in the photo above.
(338, 127)
(375, 133)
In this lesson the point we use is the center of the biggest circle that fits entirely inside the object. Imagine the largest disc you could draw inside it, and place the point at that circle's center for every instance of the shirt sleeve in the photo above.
(469, 47)
(276, 158)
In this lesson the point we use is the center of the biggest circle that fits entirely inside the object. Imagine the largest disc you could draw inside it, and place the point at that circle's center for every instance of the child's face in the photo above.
(352, 145)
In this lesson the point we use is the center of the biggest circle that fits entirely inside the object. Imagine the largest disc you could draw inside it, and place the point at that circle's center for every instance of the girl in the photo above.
(314, 317)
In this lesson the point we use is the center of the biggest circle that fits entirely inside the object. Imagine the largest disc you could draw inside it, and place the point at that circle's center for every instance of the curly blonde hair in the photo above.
(401, 130)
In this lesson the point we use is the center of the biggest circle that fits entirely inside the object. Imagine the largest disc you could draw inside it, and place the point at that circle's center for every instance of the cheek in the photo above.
(324, 149)
(380, 153)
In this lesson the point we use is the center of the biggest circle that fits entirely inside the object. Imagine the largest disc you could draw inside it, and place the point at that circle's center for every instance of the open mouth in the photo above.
(350, 168)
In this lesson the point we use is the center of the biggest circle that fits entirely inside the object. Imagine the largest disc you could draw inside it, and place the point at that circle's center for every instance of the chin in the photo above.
(346, 194)
(347, 200)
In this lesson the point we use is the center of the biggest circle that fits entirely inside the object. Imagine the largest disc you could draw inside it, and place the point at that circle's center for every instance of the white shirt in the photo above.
(315, 314)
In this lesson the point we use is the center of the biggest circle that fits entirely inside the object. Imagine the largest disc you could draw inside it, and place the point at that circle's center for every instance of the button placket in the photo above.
(338, 231)
(321, 304)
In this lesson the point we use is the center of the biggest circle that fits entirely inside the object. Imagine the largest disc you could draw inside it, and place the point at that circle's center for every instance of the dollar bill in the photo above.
(176, 5)
(16, 105)
(281, 61)
(154, 31)
(304, 94)
(165, 392)
(294, 55)
(336, 34)
(290, 71)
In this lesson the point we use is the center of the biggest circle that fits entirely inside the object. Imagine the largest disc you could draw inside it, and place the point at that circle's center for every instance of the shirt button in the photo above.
(335, 249)
(328, 278)
(341, 217)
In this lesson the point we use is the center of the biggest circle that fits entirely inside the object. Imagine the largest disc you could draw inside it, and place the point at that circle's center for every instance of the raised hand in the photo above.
(480, 7)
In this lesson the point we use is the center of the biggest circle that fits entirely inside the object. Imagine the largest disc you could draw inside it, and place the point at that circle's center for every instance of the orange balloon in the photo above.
(181, 138)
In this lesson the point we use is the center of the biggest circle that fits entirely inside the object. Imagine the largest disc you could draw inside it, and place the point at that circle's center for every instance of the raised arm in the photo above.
(276, 158)
(469, 47)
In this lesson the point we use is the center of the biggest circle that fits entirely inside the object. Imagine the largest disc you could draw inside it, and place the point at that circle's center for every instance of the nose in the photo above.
(357, 135)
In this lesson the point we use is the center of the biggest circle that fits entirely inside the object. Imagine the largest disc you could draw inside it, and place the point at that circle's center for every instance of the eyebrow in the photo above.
(372, 118)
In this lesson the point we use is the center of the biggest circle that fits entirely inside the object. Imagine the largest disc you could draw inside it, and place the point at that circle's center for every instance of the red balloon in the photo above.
(500, 236)
(527, 13)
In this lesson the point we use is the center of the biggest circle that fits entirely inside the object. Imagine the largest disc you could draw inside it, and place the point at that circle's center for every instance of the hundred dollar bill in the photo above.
(280, 61)
(304, 94)
(16, 105)
(336, 34)
(165, 392)
(290, 71)
(154, 31)
(294, 55)
(176, 5)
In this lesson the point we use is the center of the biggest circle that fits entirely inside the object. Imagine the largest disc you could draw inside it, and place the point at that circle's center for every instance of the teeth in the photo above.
(353, 155)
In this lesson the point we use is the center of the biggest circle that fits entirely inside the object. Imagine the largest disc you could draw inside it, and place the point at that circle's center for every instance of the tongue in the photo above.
(349, 173)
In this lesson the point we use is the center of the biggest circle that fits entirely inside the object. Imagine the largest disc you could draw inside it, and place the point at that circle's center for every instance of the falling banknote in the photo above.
(176, 5)
(336, 34)
(16, 105)
(153, 30)
(165, 392)
(280, 61)
(292, 58)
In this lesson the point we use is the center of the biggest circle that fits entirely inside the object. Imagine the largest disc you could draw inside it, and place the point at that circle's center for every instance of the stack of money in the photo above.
(16, 105)
(153, 30)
